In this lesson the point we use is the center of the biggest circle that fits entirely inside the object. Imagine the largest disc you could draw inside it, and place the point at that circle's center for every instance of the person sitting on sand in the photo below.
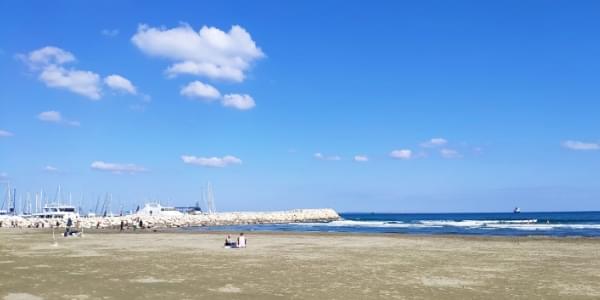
(229, 242)
(241, 241)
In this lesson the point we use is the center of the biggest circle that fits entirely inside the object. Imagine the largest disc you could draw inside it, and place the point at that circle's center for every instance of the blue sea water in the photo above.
(561, 224)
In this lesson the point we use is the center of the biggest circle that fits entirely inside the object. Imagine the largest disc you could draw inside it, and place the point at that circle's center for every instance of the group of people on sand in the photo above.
(240, 243)
(69, 231)
(125, 225)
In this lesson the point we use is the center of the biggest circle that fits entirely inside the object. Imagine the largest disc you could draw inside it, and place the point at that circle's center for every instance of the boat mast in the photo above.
(14, 204)
(58, 198)
(6, 199)
(210, 199)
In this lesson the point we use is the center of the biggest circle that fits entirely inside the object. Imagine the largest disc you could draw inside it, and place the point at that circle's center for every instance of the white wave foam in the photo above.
(544, 226)
(374, 224)
(475, 223)
(530, 224)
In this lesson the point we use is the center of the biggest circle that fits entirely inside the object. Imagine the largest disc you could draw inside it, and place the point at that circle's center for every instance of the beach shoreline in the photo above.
(179, 264)
(192, 230)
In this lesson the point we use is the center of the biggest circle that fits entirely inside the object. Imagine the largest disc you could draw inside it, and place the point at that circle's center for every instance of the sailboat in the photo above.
(209, 199)
(57, 210)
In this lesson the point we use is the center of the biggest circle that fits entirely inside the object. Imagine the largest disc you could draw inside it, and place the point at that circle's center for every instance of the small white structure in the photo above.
(155, 209)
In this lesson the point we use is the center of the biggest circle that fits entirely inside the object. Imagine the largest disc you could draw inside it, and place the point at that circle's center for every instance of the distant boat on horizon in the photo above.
(517, 210)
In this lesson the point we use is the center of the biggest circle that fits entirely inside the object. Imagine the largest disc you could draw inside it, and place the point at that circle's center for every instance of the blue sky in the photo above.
(419, 106)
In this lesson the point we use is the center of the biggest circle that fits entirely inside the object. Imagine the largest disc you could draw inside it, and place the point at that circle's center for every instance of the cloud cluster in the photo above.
(50, 63)
(208, 93)
(49, 168)
(450, 153)
(320, 156)
(401, 154)
(581, 146)
(361, 158)
(434, 142)
(120, 83)
(199, 90)
(4, 133)
(237, 101)
(53, 116)
(209, 53)
(211, 162)
(117, 167)
(407, 153)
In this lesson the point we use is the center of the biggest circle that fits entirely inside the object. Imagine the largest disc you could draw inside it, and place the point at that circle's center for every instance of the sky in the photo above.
(385, 106)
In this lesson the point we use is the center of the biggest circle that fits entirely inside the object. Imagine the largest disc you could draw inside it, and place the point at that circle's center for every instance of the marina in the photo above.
(153, 215)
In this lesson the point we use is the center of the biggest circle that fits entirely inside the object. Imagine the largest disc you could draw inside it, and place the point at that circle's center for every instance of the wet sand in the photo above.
(295, 266)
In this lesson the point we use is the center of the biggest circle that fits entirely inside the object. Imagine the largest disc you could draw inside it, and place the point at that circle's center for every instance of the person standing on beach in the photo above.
(241, 241)
(69, 224)
(141, 224)
(122, 224)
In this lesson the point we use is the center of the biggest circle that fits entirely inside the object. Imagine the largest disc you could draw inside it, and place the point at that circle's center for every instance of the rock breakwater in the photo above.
(179, 220)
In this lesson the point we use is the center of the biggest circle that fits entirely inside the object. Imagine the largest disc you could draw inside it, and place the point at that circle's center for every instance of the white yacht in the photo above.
(57, 211)
(155, 209)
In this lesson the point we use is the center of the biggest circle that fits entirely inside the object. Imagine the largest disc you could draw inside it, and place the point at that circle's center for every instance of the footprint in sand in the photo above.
(229, 288)
(148, 280)
(21, 296)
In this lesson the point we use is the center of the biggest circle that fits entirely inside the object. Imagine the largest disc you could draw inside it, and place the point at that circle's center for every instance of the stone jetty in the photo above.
(180, 220)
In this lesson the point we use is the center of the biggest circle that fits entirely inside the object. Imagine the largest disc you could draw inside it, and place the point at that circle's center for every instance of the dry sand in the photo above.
(297, 266)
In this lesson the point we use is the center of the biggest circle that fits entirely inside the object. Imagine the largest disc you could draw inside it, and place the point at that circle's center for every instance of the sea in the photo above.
(556, 224)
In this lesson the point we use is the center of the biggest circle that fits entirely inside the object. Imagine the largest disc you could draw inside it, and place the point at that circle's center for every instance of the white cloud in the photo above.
(577, 145)
(320, 156)
(200, 90)
(117, 168)
(450, 153)
(50, 116)
(56, 117)
(3, 176)
(361, 158)
(401, 154)
(49, 61)
(110, 32)
(241, 102)
(210, 52)
(434, 142)
(120, 83)
(50, 169)
(213, 162)
(85, 83)
(4, 133)
(47, 56)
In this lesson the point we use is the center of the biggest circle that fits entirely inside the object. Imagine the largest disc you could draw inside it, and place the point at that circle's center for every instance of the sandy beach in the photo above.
(182, 265)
